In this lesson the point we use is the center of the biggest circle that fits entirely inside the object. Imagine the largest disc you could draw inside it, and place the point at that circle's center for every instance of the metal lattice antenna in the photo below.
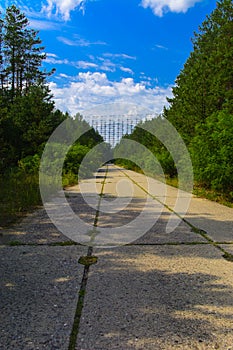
(113, 127)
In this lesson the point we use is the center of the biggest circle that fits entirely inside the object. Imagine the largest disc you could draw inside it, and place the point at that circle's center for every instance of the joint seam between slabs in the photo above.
(82, 290)
(202, 233)
(61, 244)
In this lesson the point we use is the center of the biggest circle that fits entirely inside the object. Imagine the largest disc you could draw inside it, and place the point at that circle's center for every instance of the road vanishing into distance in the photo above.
(120, 261)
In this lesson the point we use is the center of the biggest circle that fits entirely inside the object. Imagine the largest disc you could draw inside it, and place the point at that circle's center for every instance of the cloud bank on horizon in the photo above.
(92, 89)
(102, 55)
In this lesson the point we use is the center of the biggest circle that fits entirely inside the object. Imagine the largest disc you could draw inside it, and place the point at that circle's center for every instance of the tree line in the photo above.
(201, 108)
(27, 111)
(28, 117)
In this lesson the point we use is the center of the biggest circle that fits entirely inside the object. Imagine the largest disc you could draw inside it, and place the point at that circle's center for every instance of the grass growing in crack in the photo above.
(77, 317)
(78, 312)
(88, 260)
(228, 256)
(64, 244)
(14, 243)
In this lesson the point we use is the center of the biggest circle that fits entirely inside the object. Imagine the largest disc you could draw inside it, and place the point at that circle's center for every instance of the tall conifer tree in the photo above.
(204, 86)
(22, 54)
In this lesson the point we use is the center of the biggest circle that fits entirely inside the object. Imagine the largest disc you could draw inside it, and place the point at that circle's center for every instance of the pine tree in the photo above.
(202, 105)
(27, 116)
(22, 54)
(204, 86)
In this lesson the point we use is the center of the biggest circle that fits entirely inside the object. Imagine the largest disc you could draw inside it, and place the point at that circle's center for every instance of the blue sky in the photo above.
(108, 51)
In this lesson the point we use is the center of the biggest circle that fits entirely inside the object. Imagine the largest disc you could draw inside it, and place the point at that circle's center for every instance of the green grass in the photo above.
(212, 195)
(228, 256)
(69, 179)
(88, 260)
(202, 192)
(19, 193)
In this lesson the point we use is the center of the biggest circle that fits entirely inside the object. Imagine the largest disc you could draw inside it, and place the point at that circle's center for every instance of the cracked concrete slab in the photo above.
(39, 292)
(167, 290)
(170, 297)
(37, 228)
(214, 218)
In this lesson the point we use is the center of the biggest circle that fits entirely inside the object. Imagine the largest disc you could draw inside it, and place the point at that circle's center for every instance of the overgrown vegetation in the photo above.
(27, 119)
(19, 193)
(201, 109)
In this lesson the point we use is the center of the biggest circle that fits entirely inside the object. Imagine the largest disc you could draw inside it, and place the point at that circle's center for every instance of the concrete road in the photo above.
(163, 278)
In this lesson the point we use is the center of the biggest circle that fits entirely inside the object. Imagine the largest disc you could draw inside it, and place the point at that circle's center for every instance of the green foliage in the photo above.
(19, 186)
(21, 54)
(211, 153)
(31, 121)
(19, 193)
(201, 110)
(28, 118)
(74, 158)
(202, 105)
(26, 126)
(204, 86)
(30, 164)
(167, 163)
(140, 158)
(95, 158)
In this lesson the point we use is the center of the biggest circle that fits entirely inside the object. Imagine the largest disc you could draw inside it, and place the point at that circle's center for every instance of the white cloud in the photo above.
(96, 63)
(88, 90)
(44, 25)
(51, 55)
(107, 65)
(161, 47)
(102, 64)
(119, 55)
(109, 62)
(86, 65)
(62, 75)
(78, 42)
(54, 60)
(62, 7)
(99, 63)
(126, 70)
(159, 7)
(67, 41)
